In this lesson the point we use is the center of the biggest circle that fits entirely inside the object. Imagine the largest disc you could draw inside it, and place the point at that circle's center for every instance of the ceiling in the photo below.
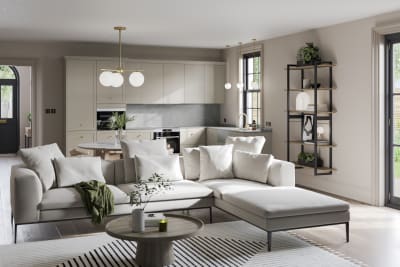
(186, 23)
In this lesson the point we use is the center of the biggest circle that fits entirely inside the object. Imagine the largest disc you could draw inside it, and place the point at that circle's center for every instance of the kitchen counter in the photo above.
(242, 130)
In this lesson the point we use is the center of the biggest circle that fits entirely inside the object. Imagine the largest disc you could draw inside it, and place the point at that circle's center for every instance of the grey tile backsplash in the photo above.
(179, 115)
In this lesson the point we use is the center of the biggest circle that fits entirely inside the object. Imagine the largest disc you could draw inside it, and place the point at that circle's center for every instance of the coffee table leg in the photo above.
(154, 253)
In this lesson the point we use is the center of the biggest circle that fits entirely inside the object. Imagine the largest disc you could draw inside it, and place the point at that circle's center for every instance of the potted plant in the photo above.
(308, 54)
(118, 122)
(308, 159)
(141, 196)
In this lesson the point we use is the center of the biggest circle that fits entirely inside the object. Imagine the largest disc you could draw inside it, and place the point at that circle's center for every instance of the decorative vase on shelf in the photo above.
(138, 220)
(119, 135)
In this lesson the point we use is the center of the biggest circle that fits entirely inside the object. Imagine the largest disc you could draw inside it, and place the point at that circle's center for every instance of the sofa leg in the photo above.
(269, 234)
(211, 214)
(15, 233)
(347, 232)
(12, 219)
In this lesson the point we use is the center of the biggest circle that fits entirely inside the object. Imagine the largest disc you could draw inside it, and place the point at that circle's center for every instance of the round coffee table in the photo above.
(155, 248)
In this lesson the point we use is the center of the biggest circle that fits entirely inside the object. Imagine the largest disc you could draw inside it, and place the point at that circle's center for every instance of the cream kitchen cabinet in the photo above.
(214, 83)
(194, 83)
(193, 137)
(134, 135)
(80, 95)
(105, 136)
(108, 94)
(151, 92)
(174, 83)
(79, 137)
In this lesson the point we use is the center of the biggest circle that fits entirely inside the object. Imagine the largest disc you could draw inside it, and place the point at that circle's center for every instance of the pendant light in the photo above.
(239, 84)
(254, 84)
(227, 85)
(114, 77)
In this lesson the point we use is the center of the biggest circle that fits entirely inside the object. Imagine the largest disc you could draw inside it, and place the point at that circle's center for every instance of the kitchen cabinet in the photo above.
(79, 137)
(151, 92)
(107, 94)
(80, 95)
(214, 83)
(193, 136)
(105, 136)
(194, 83)
(174, 83)
(134, 135)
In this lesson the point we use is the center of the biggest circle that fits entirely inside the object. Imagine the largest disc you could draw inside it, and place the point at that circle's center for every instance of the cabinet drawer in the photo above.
(108, 136)
(195, 136)
(138, 135)
(76, 138)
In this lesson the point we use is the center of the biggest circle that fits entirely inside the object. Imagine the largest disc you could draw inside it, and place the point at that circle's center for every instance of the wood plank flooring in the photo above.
(374, 231)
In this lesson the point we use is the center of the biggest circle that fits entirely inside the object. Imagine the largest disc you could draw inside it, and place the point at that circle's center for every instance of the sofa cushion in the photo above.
(39, 159)
(70, 171)
(130, 148)
(277, 202)
(224, 186)
(216, 162)
(68, 197)
(166, 166)
(184, 189)
(191, 159)
(252, 144)
(251, 166)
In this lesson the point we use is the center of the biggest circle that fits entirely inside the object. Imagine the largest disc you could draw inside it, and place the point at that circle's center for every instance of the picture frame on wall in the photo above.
(308, 134)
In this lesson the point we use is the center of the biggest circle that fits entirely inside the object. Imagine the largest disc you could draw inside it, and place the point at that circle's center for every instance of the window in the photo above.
(252, 87)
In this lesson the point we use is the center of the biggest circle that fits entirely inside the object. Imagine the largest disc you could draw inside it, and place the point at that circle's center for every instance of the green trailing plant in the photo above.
(119, 120)
(308, 54)
(145, 190)
(306, 157)
(29, 117)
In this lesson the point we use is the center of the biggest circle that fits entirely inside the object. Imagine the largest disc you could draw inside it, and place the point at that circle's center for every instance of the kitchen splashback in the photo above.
(180, 115)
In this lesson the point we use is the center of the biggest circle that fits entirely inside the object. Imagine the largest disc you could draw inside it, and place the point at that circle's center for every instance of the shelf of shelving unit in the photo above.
(317, 115)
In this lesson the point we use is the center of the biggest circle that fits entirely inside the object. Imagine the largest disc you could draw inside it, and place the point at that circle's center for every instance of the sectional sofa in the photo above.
(276, 205)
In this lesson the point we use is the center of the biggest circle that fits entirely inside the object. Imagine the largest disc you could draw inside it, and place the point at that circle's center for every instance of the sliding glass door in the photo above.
(393, 121)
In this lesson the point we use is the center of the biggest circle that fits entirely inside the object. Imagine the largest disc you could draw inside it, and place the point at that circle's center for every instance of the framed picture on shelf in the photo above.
(308, 134)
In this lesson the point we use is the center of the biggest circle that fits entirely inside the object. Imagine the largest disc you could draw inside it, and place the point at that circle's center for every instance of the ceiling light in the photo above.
(114, 77)
(239, 85)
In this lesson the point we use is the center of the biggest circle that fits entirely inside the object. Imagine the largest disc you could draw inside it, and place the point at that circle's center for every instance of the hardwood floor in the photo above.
(374, 231)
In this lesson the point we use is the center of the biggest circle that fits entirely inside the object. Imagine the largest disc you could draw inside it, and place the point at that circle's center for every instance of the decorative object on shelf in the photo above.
(254, 125)
(320, 107)
(308, 128)
(308, 54)
(227, 85)
(302, 101)
(318, 85)
(144, 190)
(114, 77)
(308, 159)
(163, 225)
(320, 133)
(306, 83)
(239, 85)
(118, 122)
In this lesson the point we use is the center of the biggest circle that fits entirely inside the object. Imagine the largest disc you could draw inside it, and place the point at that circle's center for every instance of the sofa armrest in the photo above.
(281, 173)
(25, 195)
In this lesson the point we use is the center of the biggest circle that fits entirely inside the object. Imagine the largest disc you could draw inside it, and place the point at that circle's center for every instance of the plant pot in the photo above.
(320, 163)
(138, 220)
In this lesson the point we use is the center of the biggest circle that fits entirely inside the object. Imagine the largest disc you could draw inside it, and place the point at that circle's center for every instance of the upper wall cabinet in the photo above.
(214, 83)
(174, 83)
(108, 94)
(151, 92)
(194, 83)
(80, 95)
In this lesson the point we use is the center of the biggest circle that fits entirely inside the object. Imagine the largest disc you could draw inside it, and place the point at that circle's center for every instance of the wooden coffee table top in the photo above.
(179, 227)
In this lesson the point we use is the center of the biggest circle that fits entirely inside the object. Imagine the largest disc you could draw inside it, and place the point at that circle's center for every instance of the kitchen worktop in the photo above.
(226, 128)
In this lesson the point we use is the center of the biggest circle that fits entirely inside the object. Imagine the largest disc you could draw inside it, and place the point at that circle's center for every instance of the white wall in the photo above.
(24, 100)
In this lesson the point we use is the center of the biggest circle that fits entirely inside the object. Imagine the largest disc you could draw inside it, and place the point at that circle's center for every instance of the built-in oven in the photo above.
(105, 117)
(172, 137)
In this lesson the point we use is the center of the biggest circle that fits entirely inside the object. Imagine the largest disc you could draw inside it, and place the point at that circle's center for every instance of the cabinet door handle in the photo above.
(81, 137)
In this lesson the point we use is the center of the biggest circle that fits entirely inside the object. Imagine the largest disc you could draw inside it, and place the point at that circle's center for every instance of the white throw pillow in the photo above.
(251, 166)
(74, 170)
(191, 159)
(166, 166)
(216, 162)
(39, 159)
(252, 144)
(130, 148)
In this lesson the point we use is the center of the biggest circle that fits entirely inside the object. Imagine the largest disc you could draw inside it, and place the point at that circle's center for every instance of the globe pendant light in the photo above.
(239, 85)
(114, 77)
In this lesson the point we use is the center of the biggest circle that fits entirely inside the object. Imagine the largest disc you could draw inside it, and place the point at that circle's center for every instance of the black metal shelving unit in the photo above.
(317, 115)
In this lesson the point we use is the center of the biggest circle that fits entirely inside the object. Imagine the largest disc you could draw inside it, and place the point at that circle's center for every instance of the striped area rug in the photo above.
(195, 251)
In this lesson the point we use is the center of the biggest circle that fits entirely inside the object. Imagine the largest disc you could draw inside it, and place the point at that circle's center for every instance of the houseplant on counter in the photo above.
(141, 196)
(118, 122)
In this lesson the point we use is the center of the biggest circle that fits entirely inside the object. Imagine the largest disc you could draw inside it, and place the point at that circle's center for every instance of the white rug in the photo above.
(287, 250)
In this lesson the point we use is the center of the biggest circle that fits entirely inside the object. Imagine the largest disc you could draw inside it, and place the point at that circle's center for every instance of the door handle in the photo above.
(3, 121)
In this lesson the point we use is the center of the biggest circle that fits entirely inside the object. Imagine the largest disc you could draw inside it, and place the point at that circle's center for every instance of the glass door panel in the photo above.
(6, 98)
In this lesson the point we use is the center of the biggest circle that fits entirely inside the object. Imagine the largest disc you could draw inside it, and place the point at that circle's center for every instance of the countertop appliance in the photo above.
(172, 136)
(104, 117)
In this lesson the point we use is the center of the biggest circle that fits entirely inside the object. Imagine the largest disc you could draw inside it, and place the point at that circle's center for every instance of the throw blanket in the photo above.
(98, 199)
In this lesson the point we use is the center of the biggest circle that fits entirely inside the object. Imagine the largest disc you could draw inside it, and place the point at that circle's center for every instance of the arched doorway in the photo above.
(9, 109)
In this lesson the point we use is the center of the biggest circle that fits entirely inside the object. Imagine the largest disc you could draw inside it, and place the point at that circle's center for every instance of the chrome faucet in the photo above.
(241, 114)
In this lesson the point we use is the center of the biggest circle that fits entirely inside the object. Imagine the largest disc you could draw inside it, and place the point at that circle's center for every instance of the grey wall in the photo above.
(173, 115)
(49, 73)
(24, 100)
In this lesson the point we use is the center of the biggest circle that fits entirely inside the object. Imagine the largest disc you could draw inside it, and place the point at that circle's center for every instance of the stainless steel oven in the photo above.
(104, 117)
(172, 136)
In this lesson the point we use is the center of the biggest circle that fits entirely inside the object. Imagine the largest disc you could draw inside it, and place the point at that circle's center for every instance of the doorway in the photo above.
(9, 110)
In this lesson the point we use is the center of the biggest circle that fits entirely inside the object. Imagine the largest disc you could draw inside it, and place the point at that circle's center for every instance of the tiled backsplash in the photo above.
(179, 115)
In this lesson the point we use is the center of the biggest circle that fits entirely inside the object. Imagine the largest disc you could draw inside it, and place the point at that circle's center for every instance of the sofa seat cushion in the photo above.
(277, 202)
(184, 189)
(69, 197)
(232, 186)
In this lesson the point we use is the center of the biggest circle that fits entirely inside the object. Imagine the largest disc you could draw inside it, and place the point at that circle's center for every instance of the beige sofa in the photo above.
(276, 206)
